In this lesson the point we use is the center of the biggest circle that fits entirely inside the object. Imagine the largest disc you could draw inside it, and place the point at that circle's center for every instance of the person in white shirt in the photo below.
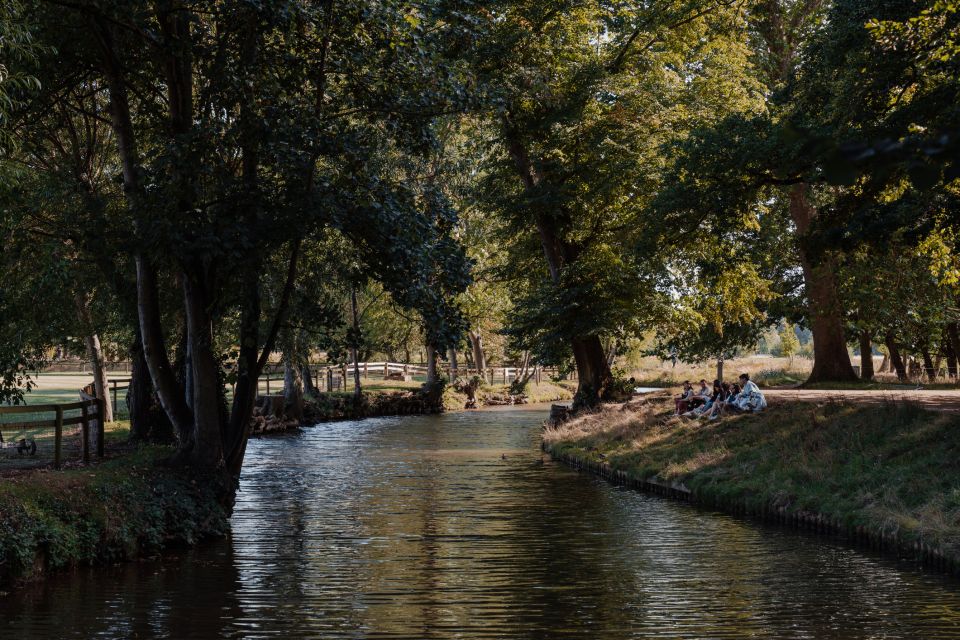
(751, 398)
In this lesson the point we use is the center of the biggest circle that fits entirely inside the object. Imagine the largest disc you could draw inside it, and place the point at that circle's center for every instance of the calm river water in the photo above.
(449, 527)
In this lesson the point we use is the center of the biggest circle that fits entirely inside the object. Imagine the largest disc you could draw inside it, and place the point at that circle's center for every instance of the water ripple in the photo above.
(449, 527)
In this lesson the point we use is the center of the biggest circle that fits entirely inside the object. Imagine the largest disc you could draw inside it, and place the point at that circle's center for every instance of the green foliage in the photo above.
(126, 508)
(789, 344)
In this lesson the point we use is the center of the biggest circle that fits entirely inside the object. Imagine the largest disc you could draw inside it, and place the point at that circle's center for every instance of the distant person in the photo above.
(682, 403)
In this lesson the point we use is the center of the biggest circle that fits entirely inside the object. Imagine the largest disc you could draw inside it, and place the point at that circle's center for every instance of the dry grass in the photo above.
(769, 371)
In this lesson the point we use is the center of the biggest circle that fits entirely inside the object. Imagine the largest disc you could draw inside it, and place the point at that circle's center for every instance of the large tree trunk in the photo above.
(593, 372)
(148, 420)
(952, 344)
(895, 358)
(831, 360)
(208, 441)
(309, 388)
(866, 356)
(479, 357)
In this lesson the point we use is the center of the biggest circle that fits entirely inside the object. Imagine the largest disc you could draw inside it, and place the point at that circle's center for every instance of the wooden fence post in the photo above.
(100, 430)
(365, 374)
(57, 438)
(85, 433)
(386, 370)
(268, 384)
(329, 380)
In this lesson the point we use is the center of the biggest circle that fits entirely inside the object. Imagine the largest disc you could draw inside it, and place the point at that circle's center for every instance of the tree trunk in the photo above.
(831, 360)
(928, 367)
(306, 375)
(953, 347)
(148, 421)
(292, 389)
(866, 356)
(148, 312)
(101, 384)
(357, 391)
(593, 372)
(720, 369)
(91, 339)
(895, 358)
(207, 427)
(454, 366)
(431, 365)
(479, 357)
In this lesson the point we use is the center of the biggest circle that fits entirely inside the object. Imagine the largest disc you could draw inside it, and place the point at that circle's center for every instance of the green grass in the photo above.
(890, 467)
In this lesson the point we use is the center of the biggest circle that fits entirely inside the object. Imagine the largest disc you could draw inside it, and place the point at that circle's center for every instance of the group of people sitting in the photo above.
(724, 397)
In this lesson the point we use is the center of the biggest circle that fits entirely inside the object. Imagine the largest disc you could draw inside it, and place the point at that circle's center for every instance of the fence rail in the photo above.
(330, 378)
(31, 439)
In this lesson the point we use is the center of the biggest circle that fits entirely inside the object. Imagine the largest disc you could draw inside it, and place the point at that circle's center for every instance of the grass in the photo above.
(651, 372)
(544, 391)
(890, 467)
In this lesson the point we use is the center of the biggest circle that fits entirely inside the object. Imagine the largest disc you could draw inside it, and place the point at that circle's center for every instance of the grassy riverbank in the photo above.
(126, 507)
(887, 469)
(496, 394)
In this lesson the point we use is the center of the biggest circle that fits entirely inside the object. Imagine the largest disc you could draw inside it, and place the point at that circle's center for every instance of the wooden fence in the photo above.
(331, 378)
(89, 418)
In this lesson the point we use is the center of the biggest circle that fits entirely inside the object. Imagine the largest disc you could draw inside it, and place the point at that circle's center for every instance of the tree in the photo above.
(585, 95)
(789, 344)
(250, 146)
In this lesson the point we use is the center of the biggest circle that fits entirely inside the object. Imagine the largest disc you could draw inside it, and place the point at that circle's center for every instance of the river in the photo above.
(451, 527)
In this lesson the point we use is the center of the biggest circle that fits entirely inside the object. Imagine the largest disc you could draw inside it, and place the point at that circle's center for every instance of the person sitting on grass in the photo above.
(751, 398)
(704, 408)
(720, 402)
(701, 396)
(682, 404)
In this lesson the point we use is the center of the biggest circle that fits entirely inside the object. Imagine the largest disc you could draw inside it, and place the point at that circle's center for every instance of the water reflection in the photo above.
(419, 528)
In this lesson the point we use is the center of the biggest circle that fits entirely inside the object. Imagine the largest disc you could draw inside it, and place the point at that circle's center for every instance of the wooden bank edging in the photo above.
(929, 556)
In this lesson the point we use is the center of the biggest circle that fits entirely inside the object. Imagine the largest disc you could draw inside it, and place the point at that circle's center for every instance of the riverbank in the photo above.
(885, 474)
(328, 407)
(124, 508)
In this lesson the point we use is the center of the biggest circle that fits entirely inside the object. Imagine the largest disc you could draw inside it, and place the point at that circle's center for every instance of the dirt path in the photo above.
(948, 400)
